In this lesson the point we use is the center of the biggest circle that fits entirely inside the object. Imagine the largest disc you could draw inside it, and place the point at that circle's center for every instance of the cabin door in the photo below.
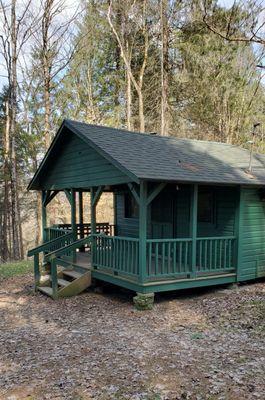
(181, 212)
(162, 216)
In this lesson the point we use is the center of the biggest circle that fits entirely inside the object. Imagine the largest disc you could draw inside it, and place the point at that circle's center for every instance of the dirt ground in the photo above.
(204, 344)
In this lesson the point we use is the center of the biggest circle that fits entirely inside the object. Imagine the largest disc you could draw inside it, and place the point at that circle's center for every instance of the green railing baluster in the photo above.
(169, 266)
(205, 254)
(186, 267)
(156, 259)
(221, 249)
(211, 253)
(215, 254)
(229, 254)
(180, 257)
(225, 244)
(174, 257)
(149, 252)
(163, 258)
(200, 255)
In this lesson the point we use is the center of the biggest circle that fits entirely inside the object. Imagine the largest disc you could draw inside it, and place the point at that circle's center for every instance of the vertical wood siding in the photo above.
(78, 165)
(252, 255)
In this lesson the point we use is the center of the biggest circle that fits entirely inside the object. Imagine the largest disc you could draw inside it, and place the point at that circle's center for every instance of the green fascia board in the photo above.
(67, 124)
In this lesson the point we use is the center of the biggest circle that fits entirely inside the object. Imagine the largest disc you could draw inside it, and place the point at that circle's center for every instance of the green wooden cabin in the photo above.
(187, 213)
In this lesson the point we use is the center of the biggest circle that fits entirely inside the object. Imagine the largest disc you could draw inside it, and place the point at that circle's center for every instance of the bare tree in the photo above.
(164, 67)
(137, 81)
(54, 50)
(16, 30)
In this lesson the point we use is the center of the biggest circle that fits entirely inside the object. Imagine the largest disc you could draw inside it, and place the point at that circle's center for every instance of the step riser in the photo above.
(67, 288)
(76, 286)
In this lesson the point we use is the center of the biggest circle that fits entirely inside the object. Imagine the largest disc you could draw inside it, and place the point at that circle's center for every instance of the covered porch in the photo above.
(155, 255)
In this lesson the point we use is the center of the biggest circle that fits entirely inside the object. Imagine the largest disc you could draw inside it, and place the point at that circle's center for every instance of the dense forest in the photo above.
(189, 68)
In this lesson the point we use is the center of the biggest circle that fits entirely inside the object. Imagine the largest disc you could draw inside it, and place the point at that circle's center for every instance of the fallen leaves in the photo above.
(205, 345)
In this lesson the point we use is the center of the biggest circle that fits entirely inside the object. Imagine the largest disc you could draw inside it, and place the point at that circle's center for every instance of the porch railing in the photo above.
(165, 258)
(116, 254)
(82, 230)
(215, 254)
(168, 257)
(54, 232)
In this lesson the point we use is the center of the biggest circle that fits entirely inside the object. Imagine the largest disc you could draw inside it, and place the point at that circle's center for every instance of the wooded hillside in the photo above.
(189, 68)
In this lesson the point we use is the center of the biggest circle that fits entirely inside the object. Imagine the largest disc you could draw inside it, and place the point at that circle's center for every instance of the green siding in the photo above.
(252, 236)
(77, 165)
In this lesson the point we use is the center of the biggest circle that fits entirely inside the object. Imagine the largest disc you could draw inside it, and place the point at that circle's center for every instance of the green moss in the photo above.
(8, 270)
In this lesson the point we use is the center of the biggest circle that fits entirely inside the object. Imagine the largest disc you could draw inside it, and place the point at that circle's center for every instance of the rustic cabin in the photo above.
(187, 213)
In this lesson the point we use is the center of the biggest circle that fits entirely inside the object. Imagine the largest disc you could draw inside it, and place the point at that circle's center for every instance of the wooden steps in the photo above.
(70, 282)
(45, 290)
(72, 273)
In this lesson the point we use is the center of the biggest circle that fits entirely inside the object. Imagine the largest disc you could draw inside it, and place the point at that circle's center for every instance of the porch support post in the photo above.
(94, 198)
(81, 215)
(44, 216)
(92, 211)
(73, 219)
(142, 230)
(193, 228)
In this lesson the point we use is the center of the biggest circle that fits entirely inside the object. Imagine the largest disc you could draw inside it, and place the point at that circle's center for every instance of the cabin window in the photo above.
(131, 208)
(206, 206)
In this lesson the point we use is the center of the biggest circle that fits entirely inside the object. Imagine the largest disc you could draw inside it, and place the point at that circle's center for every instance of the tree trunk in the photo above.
(128, 101)
(164, 69)
(15, 209)
(6, 176)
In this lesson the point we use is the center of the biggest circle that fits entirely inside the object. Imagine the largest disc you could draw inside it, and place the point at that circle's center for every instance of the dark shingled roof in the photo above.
(154, 157)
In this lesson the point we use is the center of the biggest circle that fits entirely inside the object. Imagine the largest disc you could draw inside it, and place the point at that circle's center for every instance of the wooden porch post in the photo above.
(81, 215)
(43, 216)
(73, 220)
(94, 198)
(92, 211)
(81, 218)
(193, 228)
(142, 231)
(73, 214)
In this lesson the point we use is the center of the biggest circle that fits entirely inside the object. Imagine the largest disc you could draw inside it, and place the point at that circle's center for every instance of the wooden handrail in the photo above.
(47, 245)
(72, 246)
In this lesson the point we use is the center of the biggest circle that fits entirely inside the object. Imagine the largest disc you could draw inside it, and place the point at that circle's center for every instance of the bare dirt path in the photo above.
(204, 345)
